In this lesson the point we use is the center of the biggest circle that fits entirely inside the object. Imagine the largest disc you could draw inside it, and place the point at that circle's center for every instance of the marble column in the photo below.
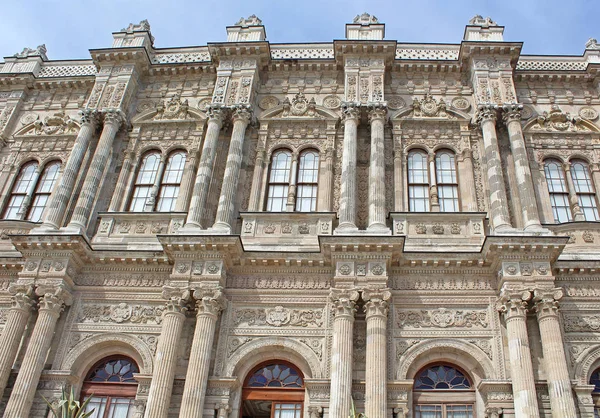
(210, 302)
(21, 398)
(226, 209)
(344, 303)
(120, 189)
(562, 401)
(467, 180)
(113, 119)
(376, 309)
(398, 179)
(513, 304)
(205, 168)
(61, 196)
(377, 213)
(498, 214)
(573, 200)
(347, 211)
(525, 190)
(165, 359)
(13, 331)
(259, 167)
(326, 189)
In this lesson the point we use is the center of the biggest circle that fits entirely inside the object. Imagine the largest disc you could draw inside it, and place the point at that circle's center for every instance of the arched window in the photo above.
(19, 190)
(279, 181)
(169, 187)
(559, 194)
(447, 183)
(443, 391)
(275, 389)
(112, 388)
(144, 181)
(586, 196)
(418, 182)
(42, 192)
(308, 179)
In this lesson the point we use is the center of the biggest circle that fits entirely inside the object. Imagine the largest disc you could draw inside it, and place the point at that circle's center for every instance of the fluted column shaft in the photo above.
(121, 186)
(499, 216)
(467, 181)
(347, 211)
(62, 194)
(226, 209)
(16, 321)
(259, 166)
(525, 190)
(205, 168)
(81, 215)
(341, 358)
(163, 375)
(398, 179)
(21, 398)
(514, 308)
(562, 401)
(377, 169)
(196, 381)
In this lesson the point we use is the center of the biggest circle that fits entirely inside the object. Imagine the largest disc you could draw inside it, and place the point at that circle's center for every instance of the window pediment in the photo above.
(299, 108)
(558, 121)
(172, 110)
(58, 123)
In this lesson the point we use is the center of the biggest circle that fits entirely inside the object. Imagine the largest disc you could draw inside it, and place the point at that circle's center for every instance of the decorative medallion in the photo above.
(268, 102)
(345, 269)
(277, 316)
(145, 106)
(212, 268)
(172, 109)
(395, 102)
(429, 107)
(377, 270)
(461, 103)
(182, 268)
(203, 104)
(120, 313)
(332, 102)
(526, 113)
(588, 113)
(29, 118)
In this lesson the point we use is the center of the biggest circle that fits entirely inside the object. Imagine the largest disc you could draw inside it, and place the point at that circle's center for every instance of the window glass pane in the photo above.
(276, 375)
(277, 198)
(37, 207)
(418, 197)
(280, 167)
(140, 195)
(174, 169)
(445, 167)
(459, 411)
(559, 195)
(448, 198)
(581, 178)
(48, 179)
(25, 178)
(98, 404)
(120, 408)
(428, 411)
(306, 198)
(417, 167)
(308, 167)
(148, 169)
(441, 377)
(13, 207)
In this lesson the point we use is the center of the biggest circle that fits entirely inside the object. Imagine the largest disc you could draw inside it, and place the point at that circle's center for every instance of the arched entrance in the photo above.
(274, 389)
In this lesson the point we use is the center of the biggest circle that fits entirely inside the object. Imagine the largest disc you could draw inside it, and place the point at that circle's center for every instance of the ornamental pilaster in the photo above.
(348, 204)
(377, 210)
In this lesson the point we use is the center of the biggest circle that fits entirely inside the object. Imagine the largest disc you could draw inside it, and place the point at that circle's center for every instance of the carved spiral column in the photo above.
(113, 119)
(525, 190)
(344, 304)
(210, 302)
(377, 215)
(62, 194)
(205, 169)
(562, 401)
(120, 188)
(573, 200)
(163, 375)
(514, 307)
(376, 309)
(499, 216)
(225, 211)
(16, 321)
(347, 213)
(50, 307)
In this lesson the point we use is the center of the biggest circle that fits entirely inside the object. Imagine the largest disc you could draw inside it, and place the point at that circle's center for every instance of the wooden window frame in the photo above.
(441, 184)
(415, 184)
(273, 183)
(300, 184)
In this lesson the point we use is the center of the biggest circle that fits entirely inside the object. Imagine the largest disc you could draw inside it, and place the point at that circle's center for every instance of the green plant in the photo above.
(353, 413)
(68, 407)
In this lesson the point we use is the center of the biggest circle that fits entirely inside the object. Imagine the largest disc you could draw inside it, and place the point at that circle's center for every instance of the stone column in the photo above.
(187, 182)
(151, 202)
(59, 200)
(205, 169)
(324, 204)
(226, 209)
(291, 198)
(573, 200)
(525, 190)
(165, 360)
(259, 167)
(16, 321)
(499, 217)
(433, 189)
(377, 215)
(513, 304)
(344, 304)
(120, 189)
(210, 302)
(562, 401)
(223, 410)
(376, 309)
(467, 180)
(398, 178)
(50, 307)
(113, 119)
(347, 212)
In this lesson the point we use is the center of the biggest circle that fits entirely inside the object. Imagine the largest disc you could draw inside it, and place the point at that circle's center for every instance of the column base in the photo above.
(191, 229)
(72, 230)
(537, 229)
(219, 228)
(346, 228)
(44, 229)
(378, 229)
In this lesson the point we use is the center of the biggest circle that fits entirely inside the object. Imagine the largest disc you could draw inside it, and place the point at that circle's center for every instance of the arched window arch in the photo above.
(447, 181)
(559, 193)
(443, 391)
(308, 181)
(279, 180)
(31, 191)
(586, 196)
(418, 181)
(112, 387)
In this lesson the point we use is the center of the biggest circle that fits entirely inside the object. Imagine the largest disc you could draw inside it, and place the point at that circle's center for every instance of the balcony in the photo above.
(285, 231)
(13, 227)
(583, 239)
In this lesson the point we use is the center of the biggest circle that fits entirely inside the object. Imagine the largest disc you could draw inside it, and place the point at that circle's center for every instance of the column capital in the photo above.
(53, 303)
(350, 111)
(216, 113)
(545, 302)
(210, 300)
(377, 111)
(511, 112)
(344, 302)
(177, 299)
(22, 297)
(487, 113)
(114, 117)
(89, 116)
(223, 409)
(241, 113)
(513, 303)
(493, 412)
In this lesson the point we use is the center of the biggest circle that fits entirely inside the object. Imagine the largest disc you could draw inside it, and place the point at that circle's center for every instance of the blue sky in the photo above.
(70, 27)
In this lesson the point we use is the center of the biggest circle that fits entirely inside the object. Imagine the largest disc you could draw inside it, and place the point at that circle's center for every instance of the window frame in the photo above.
(564, 193)
(591, 194)
(302, 184)
(412, 185)
(37, 193)
(164, 184)
(271, 183)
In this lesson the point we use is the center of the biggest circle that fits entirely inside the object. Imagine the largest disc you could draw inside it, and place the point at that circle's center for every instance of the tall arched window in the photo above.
(19, 190)
(308, 179)
(279, 181)
(443, 391)
(557, 187)
(42, 192)
(144, 181)
(112, 388)
(447, 182)
(418, 182)
(171, 181)
(586, 196)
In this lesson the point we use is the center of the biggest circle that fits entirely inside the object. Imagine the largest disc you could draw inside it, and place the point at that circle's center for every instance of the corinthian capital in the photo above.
(53, 298)
(545, 301)
(114, 117)
(210, 300)
(513, 303)
(377, 111)
(344, 301)
(177, 299)
(350, 111)
(89, 116)
(487, 113)
(22, 297)
(511, 113)
(376, 301)
(241, 113)
(216, 112)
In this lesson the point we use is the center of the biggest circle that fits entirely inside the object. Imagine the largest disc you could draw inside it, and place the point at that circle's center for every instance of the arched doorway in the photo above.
(273, 390)
(443, 391)
(112, 388)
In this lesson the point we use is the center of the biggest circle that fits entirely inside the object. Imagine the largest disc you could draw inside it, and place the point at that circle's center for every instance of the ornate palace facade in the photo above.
(248, 229)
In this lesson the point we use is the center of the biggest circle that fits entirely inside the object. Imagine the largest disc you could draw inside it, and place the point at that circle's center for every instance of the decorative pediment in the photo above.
(174, 109)
(558, 121)
(430, 108)
(300, 108)
(56, 124)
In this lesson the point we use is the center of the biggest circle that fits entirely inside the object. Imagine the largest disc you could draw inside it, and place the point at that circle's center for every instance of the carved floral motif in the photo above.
(279, 316)
(121, 313)
(442, 318)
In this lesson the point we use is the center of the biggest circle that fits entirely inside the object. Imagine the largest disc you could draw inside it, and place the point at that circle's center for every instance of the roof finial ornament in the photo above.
(479, 20)
(592, 43)
(252, 20)
(144, 25)
(365, 19)
(39, 51)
